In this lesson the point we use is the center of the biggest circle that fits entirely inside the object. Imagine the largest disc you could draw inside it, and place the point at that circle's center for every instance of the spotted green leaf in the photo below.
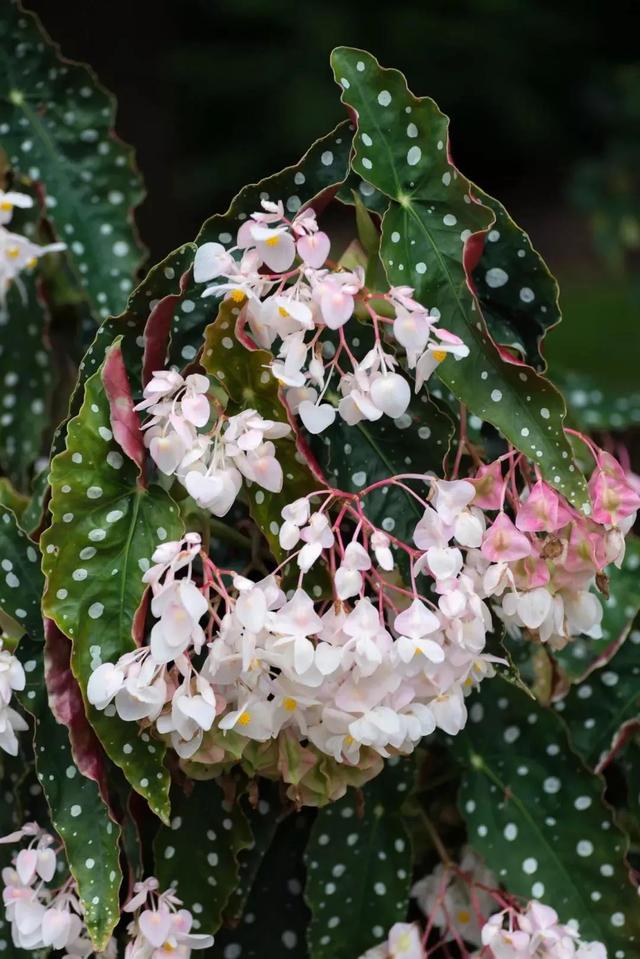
(354, 893)
(21, 581)
(536, 815)
(199, 851)
(602, 710)
(56, 123)
(275, 917)
(578, 658)
(26, 377)
(77, 811)
(264, 816)
(518, 295)
(25, 372)
(243, 375)
(630, 764)
(431, 234)
(105, 526)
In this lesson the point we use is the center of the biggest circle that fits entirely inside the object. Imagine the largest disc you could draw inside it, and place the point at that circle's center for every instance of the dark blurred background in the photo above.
(544, 99)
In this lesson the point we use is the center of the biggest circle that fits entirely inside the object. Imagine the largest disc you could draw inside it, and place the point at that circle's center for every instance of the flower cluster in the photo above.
(462, 904)
(403, 942)
(210, 464)
(42, 917)
(544, 563)
(456, 899)
(341, 675)
(17, 252)
(536, 933)
(159, 926)
(297, 300)
(374, 666)
(11, 678)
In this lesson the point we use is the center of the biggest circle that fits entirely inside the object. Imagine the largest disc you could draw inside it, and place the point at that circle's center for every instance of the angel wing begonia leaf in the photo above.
(105, 526)
(355, 894)
(536, 815)
(275, 917)
(517, 293)
(58, 119)
(26, 369)
(78, 813)
(432, 235)
(604, 709)
(199, 851)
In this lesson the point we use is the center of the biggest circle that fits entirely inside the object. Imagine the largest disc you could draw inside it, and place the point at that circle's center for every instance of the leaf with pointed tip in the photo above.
(353, 891)
(105, 526)
(603, 710)
(199, 851)
(77, 811)
(56, 113)
(243, 375)
(536, 815)
(432, 235)
(580, 656)
(517, 294)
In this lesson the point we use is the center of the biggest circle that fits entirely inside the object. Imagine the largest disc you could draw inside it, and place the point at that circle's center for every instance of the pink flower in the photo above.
(612, 495)
(503, 542)
(543, 511)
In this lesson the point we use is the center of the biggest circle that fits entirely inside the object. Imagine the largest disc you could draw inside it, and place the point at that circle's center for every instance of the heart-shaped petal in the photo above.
(155, 925)
(316, 418)
(26, 862)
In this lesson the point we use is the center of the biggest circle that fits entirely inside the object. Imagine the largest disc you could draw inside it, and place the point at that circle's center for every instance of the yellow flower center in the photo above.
(290, 704)
(464, 917)
(245, 719)
(283, 312)
(13, 252)
(439, 355)
(273, 241)
(5, 206)
(237, 296)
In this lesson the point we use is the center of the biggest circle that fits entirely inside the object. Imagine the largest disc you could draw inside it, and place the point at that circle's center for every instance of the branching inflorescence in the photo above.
(358, 644)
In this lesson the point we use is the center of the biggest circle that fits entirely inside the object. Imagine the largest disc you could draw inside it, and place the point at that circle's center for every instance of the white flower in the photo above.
(11, 199)
(382, 552)
(317, 536)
